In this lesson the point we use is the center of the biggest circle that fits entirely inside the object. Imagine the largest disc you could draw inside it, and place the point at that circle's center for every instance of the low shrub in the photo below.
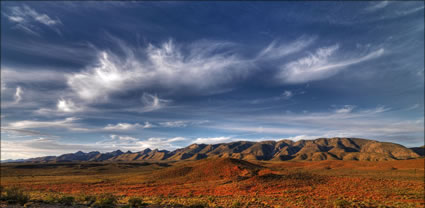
(236, 204)
(135, 202)
(66, 200)
(86, 199)
(105, 201)
(14, 195)
(341, 203)
(198, 204)
(51, 199)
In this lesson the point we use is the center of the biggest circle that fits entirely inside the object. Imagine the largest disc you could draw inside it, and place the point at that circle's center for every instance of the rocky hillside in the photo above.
(307, 150)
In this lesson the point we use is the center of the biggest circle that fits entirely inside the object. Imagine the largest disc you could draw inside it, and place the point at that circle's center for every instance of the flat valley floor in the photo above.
(223, 183)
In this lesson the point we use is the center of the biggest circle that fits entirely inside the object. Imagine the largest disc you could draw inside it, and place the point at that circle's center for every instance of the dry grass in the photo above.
(228, 183)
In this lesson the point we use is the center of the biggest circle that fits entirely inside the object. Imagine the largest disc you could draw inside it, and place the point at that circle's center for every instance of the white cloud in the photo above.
(212, 140)
(374, 6)
(134, 144)
(320, 65)
(3, 86)
(99, 81)
(67, 106)
(174, 124)
(303, 137)
(367, 123)
(152, 102)
(412, 107)
(128, 126)
(42, 146)
(18, 94)
(24, 18)
(345, 109)
(287, 94)
(275, 50)
(68, 123)
(29, 76)
(16, 149)
(409, 11)
(205, 66)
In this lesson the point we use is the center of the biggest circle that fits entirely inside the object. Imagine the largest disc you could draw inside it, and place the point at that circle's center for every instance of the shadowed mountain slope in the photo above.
(303, 150)
(419, 150)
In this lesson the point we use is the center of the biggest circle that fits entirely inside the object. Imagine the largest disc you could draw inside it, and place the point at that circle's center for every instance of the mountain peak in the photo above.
(307, 150)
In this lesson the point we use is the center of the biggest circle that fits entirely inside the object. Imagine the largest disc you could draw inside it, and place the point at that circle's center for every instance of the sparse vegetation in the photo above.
(66, 200)
(135, 202)
(341, 203)
(14, 195)
(236, 204)
(266, 184)
(105, 201)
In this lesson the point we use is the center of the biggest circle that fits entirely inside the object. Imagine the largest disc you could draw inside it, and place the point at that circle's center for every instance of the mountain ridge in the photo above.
(336, 148)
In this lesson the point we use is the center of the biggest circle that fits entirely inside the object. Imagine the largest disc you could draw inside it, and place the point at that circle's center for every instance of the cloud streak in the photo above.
(128, 126)
(25, 18)
(320, 65)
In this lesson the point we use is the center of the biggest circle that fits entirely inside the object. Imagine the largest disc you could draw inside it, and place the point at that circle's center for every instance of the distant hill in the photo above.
(303, 150)
(419, 150)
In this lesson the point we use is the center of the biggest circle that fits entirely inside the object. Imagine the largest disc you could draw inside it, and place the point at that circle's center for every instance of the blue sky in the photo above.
(135, 75)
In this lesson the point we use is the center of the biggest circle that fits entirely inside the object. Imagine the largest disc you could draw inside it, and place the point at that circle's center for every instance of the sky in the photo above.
(102, 76)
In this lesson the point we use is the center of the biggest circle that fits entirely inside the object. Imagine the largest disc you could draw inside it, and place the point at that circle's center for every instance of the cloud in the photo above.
(13, 149)
(412, 107)
(376, 6)
(287, 94)
(275, 50)
(68, 123)
(370, 123)
(409, 11)
(345, 109)
(128, 126)
(42, 146)
(174, 124)
(67, 106)
(320, 65)
(23, 132)
(212, 140)
(135, 144)
(99, 81)
(3, 86)
(63, 107)
(152, 102)
(18, 94)
(25, 18)
(30, 76)
(205, 65)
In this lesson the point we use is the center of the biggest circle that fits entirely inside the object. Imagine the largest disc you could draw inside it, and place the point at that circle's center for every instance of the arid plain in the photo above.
(222, 182)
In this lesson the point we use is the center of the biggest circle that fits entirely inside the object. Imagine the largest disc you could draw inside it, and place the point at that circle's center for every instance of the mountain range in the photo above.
(283, 150)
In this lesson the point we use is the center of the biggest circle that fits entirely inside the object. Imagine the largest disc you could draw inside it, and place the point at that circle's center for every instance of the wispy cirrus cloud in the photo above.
(128, 126)
(277, 50)
(346, 121)
(134, 144)
(320, 65)
(345, 109)
(374, 6)
(26, 19)
(152, 102)
(67, 123)
(206, 66)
